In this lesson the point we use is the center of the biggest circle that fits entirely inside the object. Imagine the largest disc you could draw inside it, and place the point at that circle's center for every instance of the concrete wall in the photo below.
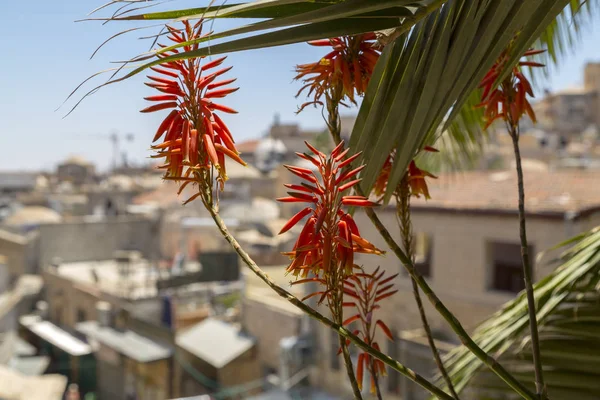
(242, 370)
(80, 240)
(282, 323)
(21, 252)
(149, 380)
(461, 265)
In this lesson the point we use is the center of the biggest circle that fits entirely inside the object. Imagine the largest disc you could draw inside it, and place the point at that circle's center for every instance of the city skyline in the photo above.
(41, 76)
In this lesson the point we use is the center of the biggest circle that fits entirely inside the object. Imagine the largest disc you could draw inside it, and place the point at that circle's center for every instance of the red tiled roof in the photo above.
(165, 195)
(545, 192)
(247, 146)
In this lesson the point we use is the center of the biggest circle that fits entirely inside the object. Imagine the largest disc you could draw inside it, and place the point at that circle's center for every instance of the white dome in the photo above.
(33, 215)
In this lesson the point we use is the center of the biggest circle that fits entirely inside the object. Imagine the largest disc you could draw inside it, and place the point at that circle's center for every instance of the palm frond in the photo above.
(433, 72)
(568, 313)
(462, 144)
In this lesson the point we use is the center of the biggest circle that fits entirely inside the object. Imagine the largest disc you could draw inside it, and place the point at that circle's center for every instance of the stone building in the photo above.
(76, 170)
(215, 356)
(467, 247)
(128, 364)
(570, 111)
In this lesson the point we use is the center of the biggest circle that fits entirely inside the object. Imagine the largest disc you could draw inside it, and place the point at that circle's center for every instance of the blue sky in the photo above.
(46, 55)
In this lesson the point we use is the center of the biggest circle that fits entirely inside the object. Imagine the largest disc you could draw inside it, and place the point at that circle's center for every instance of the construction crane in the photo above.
(116, 139)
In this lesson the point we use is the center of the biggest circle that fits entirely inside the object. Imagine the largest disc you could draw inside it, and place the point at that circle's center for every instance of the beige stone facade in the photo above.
(460, 274)
(570, 111)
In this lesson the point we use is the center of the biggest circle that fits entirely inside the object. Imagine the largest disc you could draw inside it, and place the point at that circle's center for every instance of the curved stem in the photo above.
(533, 327)
(405, 223)
(334, 126)
(349, 368)
(453, 322)
(375, 379)
(410, 374)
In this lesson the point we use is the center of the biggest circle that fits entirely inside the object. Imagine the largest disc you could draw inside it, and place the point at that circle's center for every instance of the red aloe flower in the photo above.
(347, 68)
(195, 137)
(416, 177)
(367, 291)
(509, 100)
(330, 237)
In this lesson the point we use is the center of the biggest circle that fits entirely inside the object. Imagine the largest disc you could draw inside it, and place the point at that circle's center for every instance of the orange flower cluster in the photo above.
(416, 177)
(368, 290)
(512, 92)
(330, 236)
(347, 67)
(195, 137)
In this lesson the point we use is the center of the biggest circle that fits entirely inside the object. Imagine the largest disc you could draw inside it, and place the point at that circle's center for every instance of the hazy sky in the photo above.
(46, 55)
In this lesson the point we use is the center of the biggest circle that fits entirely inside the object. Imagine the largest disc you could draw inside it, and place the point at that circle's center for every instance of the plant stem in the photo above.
(410, 374)
(445, 313)
(375, 379)
(349, 367)
(334, 126)
(454, 323)
(333, 114)
(405, 223)
(337, 310)
(535, 342)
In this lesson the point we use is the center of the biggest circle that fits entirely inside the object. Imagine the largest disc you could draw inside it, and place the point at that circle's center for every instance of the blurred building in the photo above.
(467, 248)
(222, 354)
(14, 183)
(76, 170)
(570, 111)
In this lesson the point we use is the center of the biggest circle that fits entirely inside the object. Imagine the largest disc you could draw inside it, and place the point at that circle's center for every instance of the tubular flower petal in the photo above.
(194, 138)
(507, 100)
(416, 177)
(330, 236)
(370, 289)
(347, 68)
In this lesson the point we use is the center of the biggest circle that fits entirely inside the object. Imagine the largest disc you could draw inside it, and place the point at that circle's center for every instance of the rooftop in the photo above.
(138, 280)
(550, 193)
(247, 146)
(216, 342)
(256, 290)
(55, 335)
(33, 215)
(18, 180)
(128, 343)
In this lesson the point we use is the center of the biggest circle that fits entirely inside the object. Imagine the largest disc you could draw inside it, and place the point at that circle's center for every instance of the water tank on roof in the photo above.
(269, 154)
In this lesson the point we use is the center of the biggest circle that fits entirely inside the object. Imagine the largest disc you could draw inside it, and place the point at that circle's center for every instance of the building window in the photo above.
(81, 315)
(507, 270)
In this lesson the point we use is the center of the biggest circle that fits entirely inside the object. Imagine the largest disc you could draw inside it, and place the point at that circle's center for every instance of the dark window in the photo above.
(81, 315)
(507, 270)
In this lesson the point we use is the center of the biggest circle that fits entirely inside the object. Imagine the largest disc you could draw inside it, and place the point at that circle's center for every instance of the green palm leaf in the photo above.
(435, 71)
(568, 313)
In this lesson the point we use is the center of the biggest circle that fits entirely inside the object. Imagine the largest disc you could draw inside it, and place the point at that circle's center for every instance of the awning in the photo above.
(56, 336)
